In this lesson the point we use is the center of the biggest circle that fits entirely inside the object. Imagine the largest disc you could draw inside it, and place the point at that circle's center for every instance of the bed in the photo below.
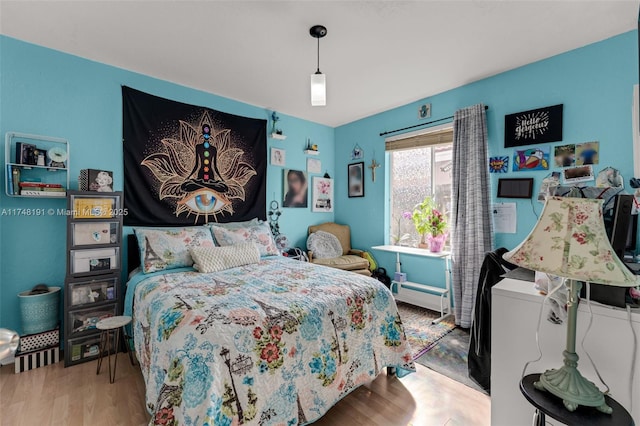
(269, 343)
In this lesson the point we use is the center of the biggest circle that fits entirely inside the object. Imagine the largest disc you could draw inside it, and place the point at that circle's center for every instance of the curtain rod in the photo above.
(421, 124)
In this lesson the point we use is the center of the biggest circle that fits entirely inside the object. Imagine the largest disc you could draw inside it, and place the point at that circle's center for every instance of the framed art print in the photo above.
(322, 195)
(536, 126)
(356, 179)
(314, 165)
(278, 157)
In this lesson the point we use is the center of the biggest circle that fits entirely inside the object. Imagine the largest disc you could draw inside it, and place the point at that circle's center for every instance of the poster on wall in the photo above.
(587, 153)
(186, 164)
(536, 126)
(295, 188)
(499, 164)
(565, 155)
(531, 159)
(322, 195)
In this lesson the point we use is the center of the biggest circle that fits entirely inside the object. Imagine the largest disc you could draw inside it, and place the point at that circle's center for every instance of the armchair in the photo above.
(351, 260)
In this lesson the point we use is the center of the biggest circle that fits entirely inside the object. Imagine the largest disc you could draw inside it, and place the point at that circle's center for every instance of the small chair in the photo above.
(351, 260)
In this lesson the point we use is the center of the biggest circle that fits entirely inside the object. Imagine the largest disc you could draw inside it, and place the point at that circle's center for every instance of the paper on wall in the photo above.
(504, 218)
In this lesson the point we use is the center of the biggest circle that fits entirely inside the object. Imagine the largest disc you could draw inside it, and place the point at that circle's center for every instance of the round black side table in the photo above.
(547, 404)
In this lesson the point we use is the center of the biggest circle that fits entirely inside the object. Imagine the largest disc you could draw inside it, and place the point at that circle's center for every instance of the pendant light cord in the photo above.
(318, 67)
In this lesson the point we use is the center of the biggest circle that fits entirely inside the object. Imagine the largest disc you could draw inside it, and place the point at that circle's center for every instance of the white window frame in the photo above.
(447, 126)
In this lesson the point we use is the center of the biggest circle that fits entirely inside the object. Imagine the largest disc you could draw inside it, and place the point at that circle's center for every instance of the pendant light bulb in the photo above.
(318, 89)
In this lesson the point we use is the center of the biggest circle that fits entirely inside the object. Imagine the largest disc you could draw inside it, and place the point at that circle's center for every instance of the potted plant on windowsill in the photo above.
(431, 224)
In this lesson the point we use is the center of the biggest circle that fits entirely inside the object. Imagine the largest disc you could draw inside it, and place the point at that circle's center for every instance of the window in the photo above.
(418, 170)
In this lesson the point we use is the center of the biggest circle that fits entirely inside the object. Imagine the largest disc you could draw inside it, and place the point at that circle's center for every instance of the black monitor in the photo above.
(622, 226)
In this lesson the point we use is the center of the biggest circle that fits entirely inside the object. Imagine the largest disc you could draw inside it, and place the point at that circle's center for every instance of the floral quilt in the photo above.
(273, 343)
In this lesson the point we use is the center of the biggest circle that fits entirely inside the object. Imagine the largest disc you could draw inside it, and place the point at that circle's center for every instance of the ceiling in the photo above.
(377, 54)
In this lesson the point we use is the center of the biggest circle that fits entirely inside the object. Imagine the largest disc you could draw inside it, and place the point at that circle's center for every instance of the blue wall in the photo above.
(47, 92)
(595, 84)
(52, 93)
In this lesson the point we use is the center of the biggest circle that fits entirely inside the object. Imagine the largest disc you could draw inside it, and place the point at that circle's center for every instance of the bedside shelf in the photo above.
(311, 152)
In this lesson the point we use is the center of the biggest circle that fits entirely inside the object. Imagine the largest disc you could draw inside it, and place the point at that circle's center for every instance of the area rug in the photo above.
(421, 334)
(449, 357)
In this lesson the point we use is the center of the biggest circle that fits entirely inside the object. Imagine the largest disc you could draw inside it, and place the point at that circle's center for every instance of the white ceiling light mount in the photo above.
(318, 80)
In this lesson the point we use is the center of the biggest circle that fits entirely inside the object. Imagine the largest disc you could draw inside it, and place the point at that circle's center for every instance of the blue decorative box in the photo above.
(40, 312)
(400, 277)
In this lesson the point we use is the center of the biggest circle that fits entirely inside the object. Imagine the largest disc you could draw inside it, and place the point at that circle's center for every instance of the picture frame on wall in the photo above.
(278, 157)
(314, 165)
(535, 126)
(356, 179)
(322, 195)
(295, 189)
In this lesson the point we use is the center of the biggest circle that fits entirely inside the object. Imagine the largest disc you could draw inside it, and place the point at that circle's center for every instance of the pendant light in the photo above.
(318, 80)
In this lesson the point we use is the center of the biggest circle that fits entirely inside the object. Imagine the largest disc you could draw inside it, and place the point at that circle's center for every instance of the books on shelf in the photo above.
(42, 193)
(39, 189)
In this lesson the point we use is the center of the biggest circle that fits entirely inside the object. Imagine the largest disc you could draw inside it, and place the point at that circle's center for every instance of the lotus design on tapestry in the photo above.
(200, 170)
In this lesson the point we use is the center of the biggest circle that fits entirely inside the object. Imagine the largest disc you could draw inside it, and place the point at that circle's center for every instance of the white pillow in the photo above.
(214, 259)
(324, 245)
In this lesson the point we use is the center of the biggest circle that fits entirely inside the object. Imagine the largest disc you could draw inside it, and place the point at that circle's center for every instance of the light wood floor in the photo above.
(55, 395)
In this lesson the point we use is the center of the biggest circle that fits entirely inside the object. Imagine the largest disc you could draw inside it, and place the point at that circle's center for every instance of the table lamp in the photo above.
(570, 241)
(8, 343)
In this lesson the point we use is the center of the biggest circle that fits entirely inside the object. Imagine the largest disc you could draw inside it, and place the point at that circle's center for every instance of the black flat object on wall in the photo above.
(515, 187)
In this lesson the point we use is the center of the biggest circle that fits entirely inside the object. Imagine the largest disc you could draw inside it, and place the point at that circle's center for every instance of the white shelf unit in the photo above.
(311, 152)
(278, 136)
(426, 296)
(46, 174)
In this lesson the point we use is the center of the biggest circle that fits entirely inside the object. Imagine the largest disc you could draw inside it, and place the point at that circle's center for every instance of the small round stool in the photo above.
(547, 404)
(110, 339)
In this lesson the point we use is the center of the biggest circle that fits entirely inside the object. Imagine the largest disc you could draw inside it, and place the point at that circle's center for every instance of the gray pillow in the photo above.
(324, 245)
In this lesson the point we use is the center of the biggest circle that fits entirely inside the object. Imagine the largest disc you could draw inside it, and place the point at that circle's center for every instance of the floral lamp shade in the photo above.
(570, 241)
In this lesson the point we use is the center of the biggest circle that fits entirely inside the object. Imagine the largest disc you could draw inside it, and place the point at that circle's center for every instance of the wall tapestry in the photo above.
(186, 164)
(533, 127)
(531, 159)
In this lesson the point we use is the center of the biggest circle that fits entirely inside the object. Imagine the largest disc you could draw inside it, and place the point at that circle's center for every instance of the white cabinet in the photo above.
(515, 309)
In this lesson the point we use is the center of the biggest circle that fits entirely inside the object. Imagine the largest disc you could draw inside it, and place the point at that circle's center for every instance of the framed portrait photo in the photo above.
(295, 189)
(356, 179)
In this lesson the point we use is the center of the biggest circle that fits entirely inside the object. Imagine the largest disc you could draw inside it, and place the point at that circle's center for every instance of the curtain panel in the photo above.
(472, 226)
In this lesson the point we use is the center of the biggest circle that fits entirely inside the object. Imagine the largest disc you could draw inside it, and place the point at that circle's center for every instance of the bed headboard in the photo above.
(133, 254)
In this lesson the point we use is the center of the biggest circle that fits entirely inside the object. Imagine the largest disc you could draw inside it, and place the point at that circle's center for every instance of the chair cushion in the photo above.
(342, 232)
(324, 245)
(347, 262)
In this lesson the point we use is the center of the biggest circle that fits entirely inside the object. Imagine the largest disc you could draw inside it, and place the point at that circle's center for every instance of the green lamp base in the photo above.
(568, 384)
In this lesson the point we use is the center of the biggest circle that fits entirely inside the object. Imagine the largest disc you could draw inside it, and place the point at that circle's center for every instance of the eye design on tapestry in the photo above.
(200, 170)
